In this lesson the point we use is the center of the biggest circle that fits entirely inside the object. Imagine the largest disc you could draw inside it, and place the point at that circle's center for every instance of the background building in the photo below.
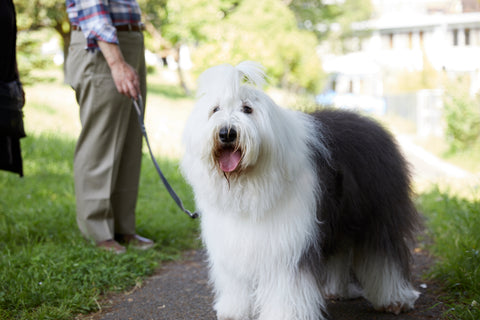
(423, 38)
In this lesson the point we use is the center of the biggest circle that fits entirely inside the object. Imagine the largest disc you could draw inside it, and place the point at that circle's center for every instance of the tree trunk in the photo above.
(66, 35)
(181, 76)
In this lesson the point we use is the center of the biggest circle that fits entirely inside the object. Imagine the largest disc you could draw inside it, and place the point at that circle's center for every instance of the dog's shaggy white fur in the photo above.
(295, 207)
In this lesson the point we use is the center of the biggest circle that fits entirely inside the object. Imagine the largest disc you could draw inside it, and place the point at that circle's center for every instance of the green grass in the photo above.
(47, 270)
(454, 225)
(467, 159)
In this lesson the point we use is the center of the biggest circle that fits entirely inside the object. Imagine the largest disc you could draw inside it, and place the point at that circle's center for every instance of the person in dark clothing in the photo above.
(12, 96)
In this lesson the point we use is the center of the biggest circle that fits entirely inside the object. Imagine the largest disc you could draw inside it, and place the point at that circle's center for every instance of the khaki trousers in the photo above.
(108, 153)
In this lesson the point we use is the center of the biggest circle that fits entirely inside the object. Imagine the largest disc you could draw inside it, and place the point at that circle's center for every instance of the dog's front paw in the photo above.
(225, 317)
(229, 316)
(227, 309)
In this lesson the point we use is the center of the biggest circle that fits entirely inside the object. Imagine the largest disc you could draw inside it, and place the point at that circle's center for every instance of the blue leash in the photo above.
(140, 112)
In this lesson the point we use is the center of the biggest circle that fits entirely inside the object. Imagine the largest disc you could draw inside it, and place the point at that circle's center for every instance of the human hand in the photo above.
(126, 79)
(124, 76)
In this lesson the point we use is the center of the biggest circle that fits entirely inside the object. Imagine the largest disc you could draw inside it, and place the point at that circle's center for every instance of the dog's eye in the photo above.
(247, 109)
(215, 109)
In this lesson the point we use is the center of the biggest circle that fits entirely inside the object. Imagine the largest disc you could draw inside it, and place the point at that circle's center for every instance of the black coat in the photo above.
(12, 96)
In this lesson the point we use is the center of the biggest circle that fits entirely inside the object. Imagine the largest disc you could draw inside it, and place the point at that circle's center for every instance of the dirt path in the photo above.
(180, 290)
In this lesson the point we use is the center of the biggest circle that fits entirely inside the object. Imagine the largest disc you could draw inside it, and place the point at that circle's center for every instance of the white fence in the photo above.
(422, 108)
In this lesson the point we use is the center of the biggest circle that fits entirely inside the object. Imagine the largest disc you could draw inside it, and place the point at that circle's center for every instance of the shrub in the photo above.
(462, 115)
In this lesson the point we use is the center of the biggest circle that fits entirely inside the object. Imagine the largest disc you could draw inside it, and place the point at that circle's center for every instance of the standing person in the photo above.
(12, 97)
(106, 68)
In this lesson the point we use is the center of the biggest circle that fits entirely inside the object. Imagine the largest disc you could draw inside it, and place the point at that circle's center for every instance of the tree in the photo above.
(331, 20)
(154, 13)
(315, 15)
(265, 31)
(36, 14)
(190, 22)
(277, 33)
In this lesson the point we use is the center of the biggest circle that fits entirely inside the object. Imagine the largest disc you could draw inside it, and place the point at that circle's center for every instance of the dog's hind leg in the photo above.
(338, 282)
(384, 283)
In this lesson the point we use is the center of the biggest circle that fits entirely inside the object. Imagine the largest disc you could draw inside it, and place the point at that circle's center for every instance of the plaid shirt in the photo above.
(97, 18)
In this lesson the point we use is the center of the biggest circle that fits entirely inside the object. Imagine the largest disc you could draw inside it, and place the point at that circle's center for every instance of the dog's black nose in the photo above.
(227, 134)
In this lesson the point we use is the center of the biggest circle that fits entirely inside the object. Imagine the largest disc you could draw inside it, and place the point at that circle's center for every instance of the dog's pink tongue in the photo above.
(229, 160)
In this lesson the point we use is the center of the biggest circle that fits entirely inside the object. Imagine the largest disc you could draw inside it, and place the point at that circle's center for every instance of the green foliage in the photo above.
(318, 17)
(33, 15)
(267, 32)
(39, 13)
(353, 11)
(229, 31)
(454, 225)
(462, 115)
(154, 11)
(312, 13)
(47, 270)
(279, 34)
(332, 22)
(188, 20)
(29, 56)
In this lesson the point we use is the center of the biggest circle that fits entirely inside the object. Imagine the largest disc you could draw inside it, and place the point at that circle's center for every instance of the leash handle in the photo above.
(140, 113)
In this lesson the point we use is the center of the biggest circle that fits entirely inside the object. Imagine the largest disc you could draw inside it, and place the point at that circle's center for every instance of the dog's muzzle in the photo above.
(227, 135)
(228, 153)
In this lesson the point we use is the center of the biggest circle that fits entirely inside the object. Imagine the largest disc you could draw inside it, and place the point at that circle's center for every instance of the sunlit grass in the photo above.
(47, 269)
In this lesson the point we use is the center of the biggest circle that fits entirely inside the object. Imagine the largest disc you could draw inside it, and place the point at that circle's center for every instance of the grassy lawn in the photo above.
(47, 270)
(454, 225)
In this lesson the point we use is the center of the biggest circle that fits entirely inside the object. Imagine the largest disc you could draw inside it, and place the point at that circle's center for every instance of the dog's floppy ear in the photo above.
(252, 72)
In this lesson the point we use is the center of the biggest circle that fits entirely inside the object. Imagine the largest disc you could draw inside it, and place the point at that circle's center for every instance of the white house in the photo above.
(405, 33)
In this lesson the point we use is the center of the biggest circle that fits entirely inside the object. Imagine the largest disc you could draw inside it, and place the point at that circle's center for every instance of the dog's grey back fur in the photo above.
(366, 202)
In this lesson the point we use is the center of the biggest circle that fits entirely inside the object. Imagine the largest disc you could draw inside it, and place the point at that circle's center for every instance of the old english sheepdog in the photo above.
(295, 208)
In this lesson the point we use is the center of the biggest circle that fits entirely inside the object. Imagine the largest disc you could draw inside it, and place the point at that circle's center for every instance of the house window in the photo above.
(467, 37)
(390, 40)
